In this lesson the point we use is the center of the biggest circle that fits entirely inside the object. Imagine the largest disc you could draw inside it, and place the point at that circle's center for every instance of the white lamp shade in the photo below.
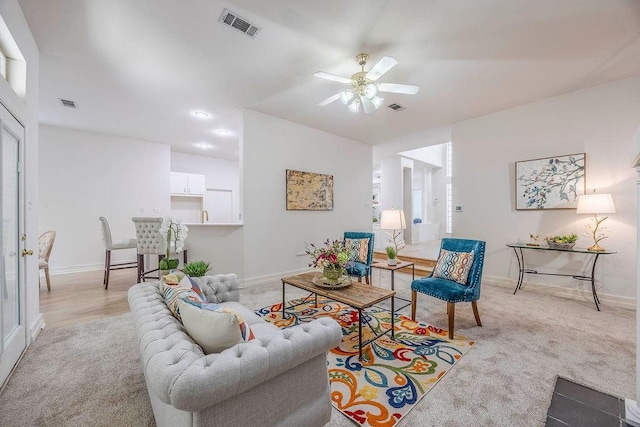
(595, 204)
(392, 220)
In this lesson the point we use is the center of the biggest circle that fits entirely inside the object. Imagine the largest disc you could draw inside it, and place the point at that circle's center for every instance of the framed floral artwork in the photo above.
(308, 191)
(551, 182)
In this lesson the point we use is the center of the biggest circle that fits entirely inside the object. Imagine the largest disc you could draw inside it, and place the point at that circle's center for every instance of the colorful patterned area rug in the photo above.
(394, 375)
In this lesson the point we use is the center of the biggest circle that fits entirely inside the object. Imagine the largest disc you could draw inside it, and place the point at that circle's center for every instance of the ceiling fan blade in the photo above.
(329, 100)
(398, 88)
(333, 77)
(367, 105)
(384, 65)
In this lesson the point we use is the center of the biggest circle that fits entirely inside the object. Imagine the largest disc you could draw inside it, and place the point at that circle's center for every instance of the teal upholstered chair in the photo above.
(449, 290)
(361, 269)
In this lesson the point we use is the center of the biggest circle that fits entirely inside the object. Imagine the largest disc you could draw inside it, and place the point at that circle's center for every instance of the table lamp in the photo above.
(393, 220)
(596, 204)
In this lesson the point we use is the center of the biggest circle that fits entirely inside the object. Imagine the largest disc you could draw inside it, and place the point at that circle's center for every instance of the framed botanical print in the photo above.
(551, 182)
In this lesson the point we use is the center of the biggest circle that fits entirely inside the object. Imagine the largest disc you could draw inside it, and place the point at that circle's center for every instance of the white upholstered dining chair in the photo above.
(111, 244)
(45, 245)
(150, 242)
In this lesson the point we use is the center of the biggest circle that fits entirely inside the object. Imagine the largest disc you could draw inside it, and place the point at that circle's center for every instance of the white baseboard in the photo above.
(36, 328)
(563, 291)
(259, 280)
(78, 268)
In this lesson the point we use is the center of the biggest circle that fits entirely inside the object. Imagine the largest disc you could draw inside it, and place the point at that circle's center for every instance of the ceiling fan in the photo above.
(363, 93)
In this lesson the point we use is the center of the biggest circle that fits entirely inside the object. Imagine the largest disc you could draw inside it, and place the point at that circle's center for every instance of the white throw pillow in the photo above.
(214, 330)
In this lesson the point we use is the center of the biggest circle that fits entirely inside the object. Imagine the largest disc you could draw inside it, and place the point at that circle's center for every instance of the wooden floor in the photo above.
(80, 297)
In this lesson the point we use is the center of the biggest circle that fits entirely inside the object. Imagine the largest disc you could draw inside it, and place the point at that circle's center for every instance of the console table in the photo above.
(518, 249)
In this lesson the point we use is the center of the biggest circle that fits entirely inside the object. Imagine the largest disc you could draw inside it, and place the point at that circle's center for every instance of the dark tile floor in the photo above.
(576, 405)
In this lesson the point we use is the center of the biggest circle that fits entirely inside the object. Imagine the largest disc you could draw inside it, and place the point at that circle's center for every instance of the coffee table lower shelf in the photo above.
(357, 296)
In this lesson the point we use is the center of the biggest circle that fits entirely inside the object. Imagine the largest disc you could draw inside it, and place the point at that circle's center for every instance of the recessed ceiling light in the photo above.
(223, 132)
(203, 145)
(201, 114)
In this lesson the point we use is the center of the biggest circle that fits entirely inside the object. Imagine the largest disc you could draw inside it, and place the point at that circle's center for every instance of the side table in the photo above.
(383, 265)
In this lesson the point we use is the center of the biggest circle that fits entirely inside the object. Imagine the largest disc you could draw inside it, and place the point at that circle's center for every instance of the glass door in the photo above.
(12, 293)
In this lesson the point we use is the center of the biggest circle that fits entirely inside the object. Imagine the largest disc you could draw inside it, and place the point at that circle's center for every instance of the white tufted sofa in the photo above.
(279, 378)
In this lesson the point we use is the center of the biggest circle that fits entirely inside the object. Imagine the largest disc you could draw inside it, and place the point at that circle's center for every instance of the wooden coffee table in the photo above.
(356, 295)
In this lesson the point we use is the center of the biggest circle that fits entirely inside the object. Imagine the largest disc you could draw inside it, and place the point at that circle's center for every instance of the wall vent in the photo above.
(233, 20)
(68, 103)
(395, 107)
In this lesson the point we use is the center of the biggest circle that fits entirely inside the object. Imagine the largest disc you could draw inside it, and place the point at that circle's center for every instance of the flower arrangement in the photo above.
(175, 232)
(333, 257)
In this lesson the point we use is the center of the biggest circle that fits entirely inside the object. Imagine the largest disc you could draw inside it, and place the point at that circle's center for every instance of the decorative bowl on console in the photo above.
(555, 245)
(562, 242)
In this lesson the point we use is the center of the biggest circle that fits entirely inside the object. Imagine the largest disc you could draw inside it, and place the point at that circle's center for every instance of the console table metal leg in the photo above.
(593, 282)
(519, 255)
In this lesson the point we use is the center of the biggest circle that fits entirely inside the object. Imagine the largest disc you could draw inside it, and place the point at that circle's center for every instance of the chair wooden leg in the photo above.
(414, 297)
(366, 279)
(107, 267)
(451, 309)
(46, 275)
(140, 267)
(359, 279)
(474, 304)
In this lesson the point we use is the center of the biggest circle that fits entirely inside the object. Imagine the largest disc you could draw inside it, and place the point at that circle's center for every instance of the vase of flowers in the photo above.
(175, 233)
(332, 258)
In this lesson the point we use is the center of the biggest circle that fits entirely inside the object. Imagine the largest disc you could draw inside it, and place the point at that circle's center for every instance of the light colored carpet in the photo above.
(90, 374)
(84, 375)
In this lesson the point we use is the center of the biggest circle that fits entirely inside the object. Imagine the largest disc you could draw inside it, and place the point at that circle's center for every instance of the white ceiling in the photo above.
(139, 68)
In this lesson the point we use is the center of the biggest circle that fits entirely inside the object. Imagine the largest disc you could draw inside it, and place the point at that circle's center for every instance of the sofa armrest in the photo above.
(220, 287)
(217, 377)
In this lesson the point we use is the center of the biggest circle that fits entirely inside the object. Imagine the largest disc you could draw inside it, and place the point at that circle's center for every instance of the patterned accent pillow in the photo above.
(454, 266)
(359, 249)
(185, 290)
(213, 326)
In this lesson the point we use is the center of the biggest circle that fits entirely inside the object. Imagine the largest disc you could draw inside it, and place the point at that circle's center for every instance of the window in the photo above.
(448, 162)
(3, 64)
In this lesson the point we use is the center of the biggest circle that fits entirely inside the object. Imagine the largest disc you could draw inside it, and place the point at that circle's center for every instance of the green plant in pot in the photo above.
(196, 268)
(175, 233)
(391, 253)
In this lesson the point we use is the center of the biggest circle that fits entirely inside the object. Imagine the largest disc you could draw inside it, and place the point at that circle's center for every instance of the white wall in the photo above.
(219, 173)
(600, 122)
(26, 110)
(86, 175)
(274, 235)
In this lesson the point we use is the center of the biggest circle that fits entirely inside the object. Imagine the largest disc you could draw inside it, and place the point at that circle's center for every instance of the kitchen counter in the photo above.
(213, 224)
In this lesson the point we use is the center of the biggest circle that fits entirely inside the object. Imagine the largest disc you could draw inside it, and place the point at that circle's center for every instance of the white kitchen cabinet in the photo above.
(187, 184)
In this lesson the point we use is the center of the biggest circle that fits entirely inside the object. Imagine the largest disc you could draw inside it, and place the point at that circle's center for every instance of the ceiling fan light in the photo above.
(346, 96)
(355, 106)
(370, 91)
(377, 101)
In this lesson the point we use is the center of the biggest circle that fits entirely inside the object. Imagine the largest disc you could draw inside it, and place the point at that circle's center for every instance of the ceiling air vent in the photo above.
(68, 103)
(395, 107)
(231, 19)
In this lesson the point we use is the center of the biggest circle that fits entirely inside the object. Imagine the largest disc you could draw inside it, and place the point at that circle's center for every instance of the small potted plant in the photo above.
(391, 253)
(196, 268)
